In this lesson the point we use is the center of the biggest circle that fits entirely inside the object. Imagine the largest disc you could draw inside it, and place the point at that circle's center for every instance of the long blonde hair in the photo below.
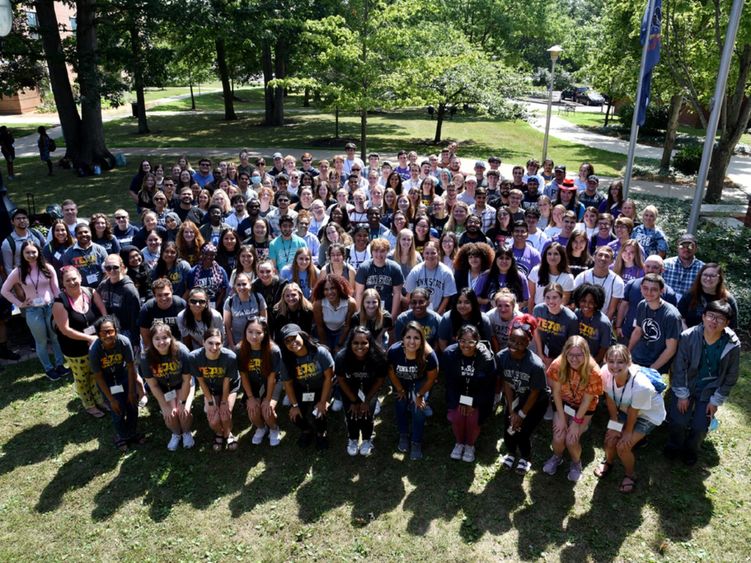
(584, 372)
(411, 254)
(378, 320)
(281, 306)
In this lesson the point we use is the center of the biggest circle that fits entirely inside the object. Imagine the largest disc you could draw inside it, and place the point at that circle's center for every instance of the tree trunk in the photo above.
(268, 91)
(676, 102)
(192, 97)
(306, 98)
(137, 65)
(738, 111)
(93, 146)
(439, 115)
(67, 111)
(221, 61)
(364, 135)
(607, 111)
(336, 123)
(280, 71)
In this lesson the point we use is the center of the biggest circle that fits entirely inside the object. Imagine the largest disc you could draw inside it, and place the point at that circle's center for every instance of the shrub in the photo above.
(688, 159)
(657, 118)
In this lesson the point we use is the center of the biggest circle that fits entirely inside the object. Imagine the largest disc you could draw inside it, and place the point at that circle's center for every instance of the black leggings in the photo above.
(521, 440)
(306, 421)
(358, 426)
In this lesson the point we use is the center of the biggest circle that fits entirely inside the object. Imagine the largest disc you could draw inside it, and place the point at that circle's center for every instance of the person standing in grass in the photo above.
(635, 409)
(9, 151)
(46, 146)
(166, 368)
(525, 391)
(577, 385)
(111, 361)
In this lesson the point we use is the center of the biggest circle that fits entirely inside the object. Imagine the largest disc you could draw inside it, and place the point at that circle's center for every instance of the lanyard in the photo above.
(623, 390)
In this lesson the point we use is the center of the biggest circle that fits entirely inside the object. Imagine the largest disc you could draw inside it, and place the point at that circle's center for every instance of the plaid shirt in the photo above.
(679, 277)
(487, 215)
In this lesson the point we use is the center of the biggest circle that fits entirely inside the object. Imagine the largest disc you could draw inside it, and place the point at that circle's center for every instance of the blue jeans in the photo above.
(406, 407)
(687, 430)
(126, 422)
(39, 320)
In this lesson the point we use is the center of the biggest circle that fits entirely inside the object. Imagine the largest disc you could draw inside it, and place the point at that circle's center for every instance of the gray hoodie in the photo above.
(121, 300)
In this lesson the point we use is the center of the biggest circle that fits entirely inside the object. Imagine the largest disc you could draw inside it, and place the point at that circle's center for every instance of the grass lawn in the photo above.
(246, 99)
(66, 494)
(478, 137)
(25, 129)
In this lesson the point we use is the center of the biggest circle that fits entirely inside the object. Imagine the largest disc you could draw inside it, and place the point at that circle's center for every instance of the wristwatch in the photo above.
(296, 405)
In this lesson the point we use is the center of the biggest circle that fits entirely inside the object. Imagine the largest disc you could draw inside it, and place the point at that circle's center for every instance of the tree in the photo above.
(21, 66)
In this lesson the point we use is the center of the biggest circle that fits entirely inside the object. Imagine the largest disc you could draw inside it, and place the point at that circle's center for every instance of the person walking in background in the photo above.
(46, 147)
(9, 151)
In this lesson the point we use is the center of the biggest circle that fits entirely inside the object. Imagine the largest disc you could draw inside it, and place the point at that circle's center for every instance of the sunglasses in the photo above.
(197, 301)
(112, 268)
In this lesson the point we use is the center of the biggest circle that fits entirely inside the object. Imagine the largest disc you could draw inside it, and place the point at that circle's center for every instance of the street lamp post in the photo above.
(554, 51)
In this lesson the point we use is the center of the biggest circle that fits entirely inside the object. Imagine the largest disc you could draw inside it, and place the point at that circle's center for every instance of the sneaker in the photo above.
(337, 405)
(366, 448)
(63, 371)
(188, 441)
(322, 442)
(457, 452)
(259, 435)
(403, 443)
(143, 401)
(352, 447)
(575, 471)
(415, 453)
(274, 437)
(174, 442)
(469, 454)
(549, 413)
(377, 409)
(551, 466)
(52, 374)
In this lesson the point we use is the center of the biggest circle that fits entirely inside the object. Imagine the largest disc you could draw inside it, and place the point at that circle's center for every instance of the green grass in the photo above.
(25, 129)
(245, 99)
(66, 494)
(388, 133)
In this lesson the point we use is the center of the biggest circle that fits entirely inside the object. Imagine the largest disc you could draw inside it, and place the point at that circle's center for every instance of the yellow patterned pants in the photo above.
(83, 378)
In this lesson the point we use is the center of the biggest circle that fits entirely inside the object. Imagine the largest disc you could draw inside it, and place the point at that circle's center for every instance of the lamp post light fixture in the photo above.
(555, 52)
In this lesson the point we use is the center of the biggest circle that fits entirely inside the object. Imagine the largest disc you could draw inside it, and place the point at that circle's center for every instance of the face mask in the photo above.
(255, 180)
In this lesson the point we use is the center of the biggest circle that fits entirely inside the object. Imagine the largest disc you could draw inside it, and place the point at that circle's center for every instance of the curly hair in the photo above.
(483, 250)
(342, 286)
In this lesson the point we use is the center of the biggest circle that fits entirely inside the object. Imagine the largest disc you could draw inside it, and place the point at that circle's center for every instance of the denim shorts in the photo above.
(642, 426)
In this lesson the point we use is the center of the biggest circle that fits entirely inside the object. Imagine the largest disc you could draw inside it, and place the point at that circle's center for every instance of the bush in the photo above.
(688, 159)
(563, 78)
(657, 118)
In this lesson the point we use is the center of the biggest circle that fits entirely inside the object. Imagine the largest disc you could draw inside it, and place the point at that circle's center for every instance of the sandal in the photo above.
(603, 469)
(508, 462)
(232, 443)
(523, 466)
(95, 412)
(627, 485)
(122, 445)
(218, 443)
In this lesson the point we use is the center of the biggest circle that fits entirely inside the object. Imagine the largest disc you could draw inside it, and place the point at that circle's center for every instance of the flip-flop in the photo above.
(232, 443)
(95, 412)
(603, 469)
(218, 443)
(627, 485)
(508, 462)
(523, 466)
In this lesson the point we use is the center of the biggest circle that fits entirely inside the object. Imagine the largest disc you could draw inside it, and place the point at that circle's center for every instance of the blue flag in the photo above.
(651, 33)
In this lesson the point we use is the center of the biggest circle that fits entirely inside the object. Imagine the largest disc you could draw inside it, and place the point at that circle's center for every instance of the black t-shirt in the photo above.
(473, 377)
(360, 375)
(523, 375)
(151, 312)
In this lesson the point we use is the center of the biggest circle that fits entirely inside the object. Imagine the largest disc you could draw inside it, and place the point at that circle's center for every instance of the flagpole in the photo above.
(714, 117)
(634, 119)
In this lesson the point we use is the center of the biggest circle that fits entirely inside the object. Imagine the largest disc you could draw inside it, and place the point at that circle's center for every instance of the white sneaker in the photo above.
(174, 442)
(143, 401)
(377, 409)
(457, 452)
(188, 441)
(352, 447)
(337, 405)
(259, 435)
(366, 448)
(469, 454)
(274, 437)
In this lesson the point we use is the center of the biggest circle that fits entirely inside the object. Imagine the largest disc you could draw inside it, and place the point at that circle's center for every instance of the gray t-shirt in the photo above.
(113, 364)
(309, 369)
(168, 372)
(597, 331)
(214, 372)
(197, 333)
(554, 330)
(657, 326)
(241, 311)
(429, 323)
(439, 282)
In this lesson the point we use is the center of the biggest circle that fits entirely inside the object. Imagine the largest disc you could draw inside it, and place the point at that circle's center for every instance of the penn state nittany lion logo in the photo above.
(650, 330)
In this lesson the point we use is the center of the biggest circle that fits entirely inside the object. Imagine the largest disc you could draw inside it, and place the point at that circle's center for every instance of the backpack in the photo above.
(35, 235)
(654, 378)
(52, 146)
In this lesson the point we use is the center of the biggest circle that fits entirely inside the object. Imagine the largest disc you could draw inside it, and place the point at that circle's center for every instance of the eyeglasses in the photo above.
(574, 354)
(307, 160)
(686, 245)
(197, 301)
(710, 276)
(468, 342)
(120, 217)
(715, 318)
(111, 268)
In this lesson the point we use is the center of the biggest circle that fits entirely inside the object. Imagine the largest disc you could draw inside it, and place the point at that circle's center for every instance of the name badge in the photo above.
(361, 395)
(58, 255)
(38, 302)
(308, 397)
(515, 404)
(465, 400)
(615, 425)
(117, 389)
(89, 330)
(568, 410)
(92, 278)
(171, 395)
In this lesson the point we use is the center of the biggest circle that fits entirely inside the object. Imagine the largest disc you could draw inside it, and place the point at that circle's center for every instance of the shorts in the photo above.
(5, 308)
(642, 425)
(258, 387)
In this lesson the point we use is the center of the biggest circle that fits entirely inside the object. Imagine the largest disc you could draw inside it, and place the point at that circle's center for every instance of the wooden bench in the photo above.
(567, 107)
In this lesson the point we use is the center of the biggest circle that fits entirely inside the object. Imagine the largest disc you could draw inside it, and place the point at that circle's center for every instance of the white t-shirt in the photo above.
(638, 393)
(564, 278)
(612, 284)
(440, 282)
(538, 240)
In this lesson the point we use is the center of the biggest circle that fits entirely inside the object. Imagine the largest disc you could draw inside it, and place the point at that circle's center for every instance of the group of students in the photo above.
(329, 287)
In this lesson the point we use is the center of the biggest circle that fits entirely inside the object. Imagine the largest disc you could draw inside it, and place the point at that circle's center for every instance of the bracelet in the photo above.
(296, 405)
(520, 413)
(578, 420)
